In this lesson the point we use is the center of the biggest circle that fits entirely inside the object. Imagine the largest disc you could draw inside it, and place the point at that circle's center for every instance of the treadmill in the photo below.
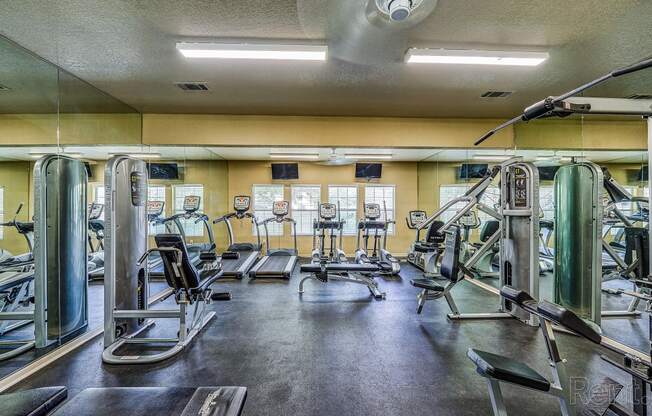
(191, 205)
(239, 257)
(281, 261)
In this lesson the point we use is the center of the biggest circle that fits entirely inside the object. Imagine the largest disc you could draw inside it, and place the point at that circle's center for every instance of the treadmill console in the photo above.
(372, 211)
(416, 218)
(155, 208)
(327, 211)
(191, 203)
(95, 211)
(281, 208)
(241, 203)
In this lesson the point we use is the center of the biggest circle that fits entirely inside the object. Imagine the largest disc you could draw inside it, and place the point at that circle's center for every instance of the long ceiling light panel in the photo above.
(474, 57)
(253, 51)
(366, 156)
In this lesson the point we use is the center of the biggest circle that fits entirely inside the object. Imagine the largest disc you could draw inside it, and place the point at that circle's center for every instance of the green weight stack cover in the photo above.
(574, 238)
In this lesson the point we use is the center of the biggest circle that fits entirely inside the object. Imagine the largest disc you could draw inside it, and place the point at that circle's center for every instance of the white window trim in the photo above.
(174, 200)
(276, 230)
(293, 210)
(151, 230)
(392, 228)
(357, 200)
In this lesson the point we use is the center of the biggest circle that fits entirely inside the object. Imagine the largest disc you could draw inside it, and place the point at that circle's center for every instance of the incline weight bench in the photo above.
(598, 400)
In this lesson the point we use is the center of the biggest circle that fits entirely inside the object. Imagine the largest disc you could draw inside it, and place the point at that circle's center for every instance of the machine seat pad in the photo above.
(33, 402)
(517, 296)
(506, 369)
(208, 277)
(339, 267)
(427, 284)
(425, 247)
(568, 319)
(159, 401)
(25, 227)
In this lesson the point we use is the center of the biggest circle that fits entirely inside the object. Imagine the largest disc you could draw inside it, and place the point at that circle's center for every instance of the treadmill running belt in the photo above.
(231, 267)
(274, 264)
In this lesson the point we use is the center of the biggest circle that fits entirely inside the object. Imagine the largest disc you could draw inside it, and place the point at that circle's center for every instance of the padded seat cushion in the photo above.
(427, 284)
(159, 401)
(33, 402)
(508, 370)
(568, 319)
(425, 247)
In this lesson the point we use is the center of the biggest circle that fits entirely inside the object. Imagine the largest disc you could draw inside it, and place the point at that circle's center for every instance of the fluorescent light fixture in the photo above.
(474, 57)
(310, 156)
(367, 156)
(496, 158)
(138, 155)
(562, 159)
(37, 155)
(253, 51)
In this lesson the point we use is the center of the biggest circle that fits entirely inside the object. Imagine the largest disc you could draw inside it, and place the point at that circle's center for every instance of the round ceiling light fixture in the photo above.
(397, 10)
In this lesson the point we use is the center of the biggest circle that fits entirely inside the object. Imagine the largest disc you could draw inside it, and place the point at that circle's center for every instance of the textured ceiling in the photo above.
(127, 48)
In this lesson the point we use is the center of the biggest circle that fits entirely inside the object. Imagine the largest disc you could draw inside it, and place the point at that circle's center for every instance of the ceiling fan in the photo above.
(335, 159)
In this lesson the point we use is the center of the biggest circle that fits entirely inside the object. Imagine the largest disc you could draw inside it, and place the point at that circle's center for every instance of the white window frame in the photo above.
(160, 228)
(192, 229)
(299, 213)
(99, 197)
(391, 210)
(350, 226)
(262, 212)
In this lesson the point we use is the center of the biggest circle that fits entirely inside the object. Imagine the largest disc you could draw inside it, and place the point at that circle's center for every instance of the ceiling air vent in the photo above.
(4, 88)
(496, 94)
(640, 97)
(192, 86)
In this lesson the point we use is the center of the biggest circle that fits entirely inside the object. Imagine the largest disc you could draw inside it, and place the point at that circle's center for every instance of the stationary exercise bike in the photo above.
(372, 227)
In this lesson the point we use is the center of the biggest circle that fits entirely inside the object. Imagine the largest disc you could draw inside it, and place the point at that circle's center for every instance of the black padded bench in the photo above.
(133, 401)
(339, 267)
(496, 368)
(34, 402)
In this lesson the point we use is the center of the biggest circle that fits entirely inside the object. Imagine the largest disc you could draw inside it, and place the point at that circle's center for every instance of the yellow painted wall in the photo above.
(243, 175)
(15, 178)
(225, 130)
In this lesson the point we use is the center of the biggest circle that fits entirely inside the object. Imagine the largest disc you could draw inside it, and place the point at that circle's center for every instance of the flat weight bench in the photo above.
(344, 272)
(189, 286)
(597, 401)
(134, 401)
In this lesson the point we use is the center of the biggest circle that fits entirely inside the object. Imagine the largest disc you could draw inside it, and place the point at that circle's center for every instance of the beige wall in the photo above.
(243, 175)
(15, 178)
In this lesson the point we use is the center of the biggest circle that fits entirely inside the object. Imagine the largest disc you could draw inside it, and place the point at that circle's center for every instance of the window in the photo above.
(547, 202)
(2, 211)
(264, 197)
(156, 193)
(379, 194)
(179, 193)
(305, 206)
(347, 198)
(490, 198)
(99, 198)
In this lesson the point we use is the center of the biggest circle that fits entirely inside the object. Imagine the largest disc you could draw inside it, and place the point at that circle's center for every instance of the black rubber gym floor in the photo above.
(337, 351)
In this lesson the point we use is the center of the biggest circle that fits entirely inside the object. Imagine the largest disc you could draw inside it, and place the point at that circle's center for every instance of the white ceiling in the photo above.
(263, 153)
(127, 48)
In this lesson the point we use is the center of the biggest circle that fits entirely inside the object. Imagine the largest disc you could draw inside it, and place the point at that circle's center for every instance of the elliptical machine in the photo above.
(332, 264)
(379, 254)
(424, 254)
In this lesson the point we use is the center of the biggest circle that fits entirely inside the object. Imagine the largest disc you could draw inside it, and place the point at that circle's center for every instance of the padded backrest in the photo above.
(488, 229)
(189, 278)
(637, 242)
(519, 297)
(433, 235)
(568, 319)
(450, 262)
